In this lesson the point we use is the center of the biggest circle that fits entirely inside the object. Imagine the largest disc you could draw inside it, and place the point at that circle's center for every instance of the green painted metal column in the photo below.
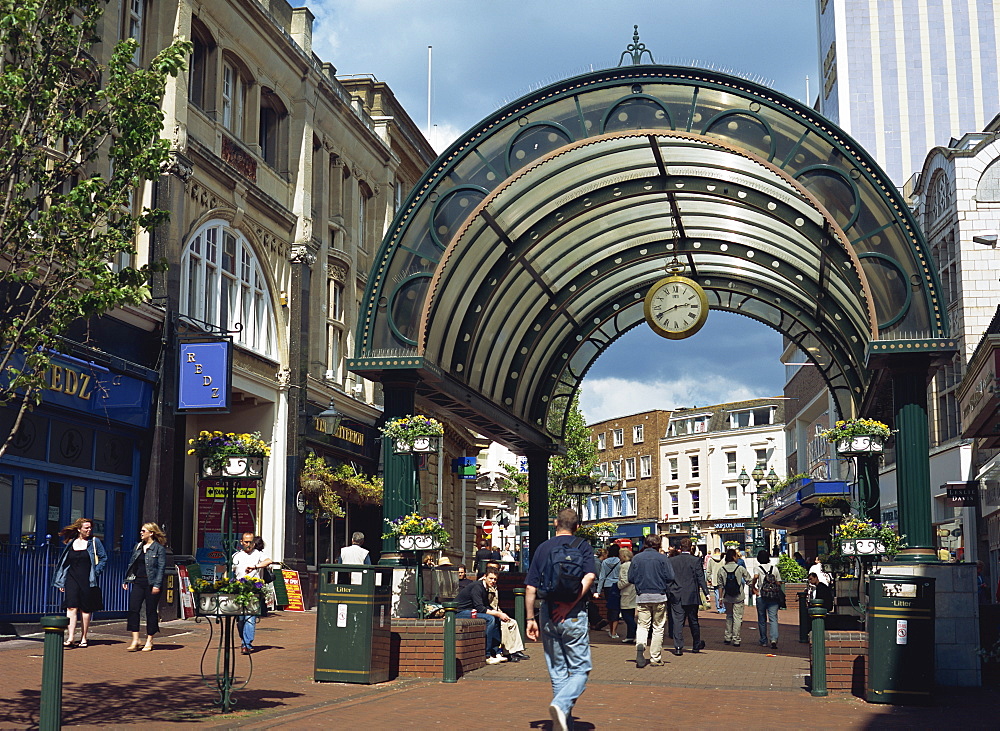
(538, 499)
(401, 490)
(868, 489)
(913, 468)
(50, 702)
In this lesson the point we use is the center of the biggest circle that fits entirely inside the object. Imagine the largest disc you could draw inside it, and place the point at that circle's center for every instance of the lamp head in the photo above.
(744, 478)
(331, 418)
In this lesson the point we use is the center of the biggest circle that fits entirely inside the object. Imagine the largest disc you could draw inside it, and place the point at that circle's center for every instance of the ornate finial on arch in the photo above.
(635, 49)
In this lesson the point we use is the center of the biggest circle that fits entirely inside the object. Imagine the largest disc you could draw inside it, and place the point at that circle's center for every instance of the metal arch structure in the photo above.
(525, 250)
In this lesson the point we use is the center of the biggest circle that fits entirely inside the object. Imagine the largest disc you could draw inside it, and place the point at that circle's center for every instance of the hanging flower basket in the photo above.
(416, 434)
(860, 446)
(230, 455)
(858, 437)
(229, 597)
(862, 547)
(416, 532)
(244, 467)
(419, 542)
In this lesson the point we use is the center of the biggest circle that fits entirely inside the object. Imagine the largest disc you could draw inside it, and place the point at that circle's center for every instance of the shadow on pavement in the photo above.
(164, 699)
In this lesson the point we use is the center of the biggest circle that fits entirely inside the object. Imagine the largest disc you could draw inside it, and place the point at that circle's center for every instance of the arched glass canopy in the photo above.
(527, 249)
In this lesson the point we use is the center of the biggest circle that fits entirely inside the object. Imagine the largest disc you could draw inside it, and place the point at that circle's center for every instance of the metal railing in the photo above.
(26, 591)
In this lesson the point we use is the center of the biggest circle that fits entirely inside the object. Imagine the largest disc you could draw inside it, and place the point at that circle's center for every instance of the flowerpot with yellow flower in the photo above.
(415, 434)
(223, 455)
(416, 532)
(858, 437)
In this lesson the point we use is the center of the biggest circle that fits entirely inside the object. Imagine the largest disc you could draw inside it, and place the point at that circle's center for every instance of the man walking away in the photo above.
(712, 565)
(561, 574)
(354, 553)
(691, 582)
(653, 577)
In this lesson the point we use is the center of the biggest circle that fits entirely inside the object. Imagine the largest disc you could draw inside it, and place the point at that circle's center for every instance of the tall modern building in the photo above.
(905, 76)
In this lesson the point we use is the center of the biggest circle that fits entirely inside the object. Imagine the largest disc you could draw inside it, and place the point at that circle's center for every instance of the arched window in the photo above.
(222, 284)
(235, 82)
(988, 189)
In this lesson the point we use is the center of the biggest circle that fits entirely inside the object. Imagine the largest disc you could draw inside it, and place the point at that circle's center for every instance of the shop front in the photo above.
(79, 453)
(353, 444)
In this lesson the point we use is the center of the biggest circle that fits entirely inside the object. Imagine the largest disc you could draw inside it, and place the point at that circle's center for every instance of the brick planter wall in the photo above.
(792, 591)
(846, 662)
(418, 647)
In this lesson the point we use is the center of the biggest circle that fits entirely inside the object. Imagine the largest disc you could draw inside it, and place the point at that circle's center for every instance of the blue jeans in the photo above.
(492, 630)
(248, 628)
(567, 655)
(767, 619)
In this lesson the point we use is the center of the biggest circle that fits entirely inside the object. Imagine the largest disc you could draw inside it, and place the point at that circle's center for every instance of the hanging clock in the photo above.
(676, 307)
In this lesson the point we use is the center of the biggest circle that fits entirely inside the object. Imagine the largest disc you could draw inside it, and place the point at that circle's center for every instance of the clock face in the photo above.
(676, 307)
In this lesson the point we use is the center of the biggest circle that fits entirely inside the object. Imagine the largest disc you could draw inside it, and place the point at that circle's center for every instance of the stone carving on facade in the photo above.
(202, 196)
(274, 245)
(302, 255)
(179, 167)
(337, 271)
(240, 159)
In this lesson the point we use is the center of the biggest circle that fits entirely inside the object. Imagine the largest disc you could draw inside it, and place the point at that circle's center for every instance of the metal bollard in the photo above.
(519, 613)
(450, 671)
(50, 702)
(803, 616)
(818, 613)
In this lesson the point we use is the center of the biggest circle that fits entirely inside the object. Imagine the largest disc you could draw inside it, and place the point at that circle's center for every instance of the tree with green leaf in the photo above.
(78, 138)
(578, 462)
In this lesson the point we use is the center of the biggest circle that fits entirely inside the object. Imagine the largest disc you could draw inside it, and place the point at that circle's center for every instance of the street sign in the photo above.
(487, 527)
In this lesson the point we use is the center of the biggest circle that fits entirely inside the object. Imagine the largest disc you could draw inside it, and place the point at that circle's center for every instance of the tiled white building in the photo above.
(903, 76)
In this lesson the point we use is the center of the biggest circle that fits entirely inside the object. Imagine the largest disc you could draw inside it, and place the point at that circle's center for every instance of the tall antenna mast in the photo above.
(430, 52)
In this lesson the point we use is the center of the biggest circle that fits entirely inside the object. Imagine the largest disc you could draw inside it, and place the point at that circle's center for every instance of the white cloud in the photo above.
(607, 398)
(442, 135)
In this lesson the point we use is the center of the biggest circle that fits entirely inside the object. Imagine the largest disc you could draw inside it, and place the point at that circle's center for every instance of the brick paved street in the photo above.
(107, 687)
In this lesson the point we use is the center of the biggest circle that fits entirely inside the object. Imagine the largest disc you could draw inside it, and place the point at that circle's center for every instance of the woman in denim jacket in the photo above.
(81, 562)
(143, 582)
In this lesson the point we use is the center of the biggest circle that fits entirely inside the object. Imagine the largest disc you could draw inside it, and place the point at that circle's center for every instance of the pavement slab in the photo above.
(106, 687)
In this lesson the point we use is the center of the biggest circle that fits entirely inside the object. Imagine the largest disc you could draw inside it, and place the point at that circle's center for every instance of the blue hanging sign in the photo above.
(205, 376)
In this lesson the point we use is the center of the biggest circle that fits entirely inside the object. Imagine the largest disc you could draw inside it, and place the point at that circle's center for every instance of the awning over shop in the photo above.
(634, 530)
(797, 509)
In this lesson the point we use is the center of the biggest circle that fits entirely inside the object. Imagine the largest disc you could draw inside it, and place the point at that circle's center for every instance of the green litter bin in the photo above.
(900, 623)
(353, 627)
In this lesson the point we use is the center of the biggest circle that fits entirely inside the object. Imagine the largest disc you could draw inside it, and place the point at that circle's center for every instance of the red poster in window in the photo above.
(211, 552)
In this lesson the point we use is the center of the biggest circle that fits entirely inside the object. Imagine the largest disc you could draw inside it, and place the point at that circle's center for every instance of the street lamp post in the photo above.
(758, 483)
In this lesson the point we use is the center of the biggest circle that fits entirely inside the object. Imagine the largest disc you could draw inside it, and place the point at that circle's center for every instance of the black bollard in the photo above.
(50, 703)
(450, 671)
(818, 613)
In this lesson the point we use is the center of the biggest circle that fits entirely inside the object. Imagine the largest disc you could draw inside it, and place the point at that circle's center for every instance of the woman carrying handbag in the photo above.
(143, 582)
(79, 566)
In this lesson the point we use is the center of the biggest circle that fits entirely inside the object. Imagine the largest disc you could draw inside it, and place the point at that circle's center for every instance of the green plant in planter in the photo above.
(248, 592)
(407, 428)
(415, 524)
(217, 447)
(854, 527)
(790, 570)
(856, 428)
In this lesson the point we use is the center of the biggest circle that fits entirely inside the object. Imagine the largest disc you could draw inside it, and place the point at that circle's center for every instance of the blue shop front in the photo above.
(77, 454)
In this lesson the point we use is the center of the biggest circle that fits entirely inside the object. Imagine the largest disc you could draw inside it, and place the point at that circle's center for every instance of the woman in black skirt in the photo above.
(143, 581)
(81, 563)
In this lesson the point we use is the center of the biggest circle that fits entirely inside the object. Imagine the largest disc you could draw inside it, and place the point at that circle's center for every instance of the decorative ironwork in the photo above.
(240, 467)
(418, 542)
(635, 49)
(860, 445)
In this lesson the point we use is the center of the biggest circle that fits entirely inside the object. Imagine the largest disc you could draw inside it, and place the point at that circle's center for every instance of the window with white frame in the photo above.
(223, 284)
(630, 468)
(761, 456)
(733, 505)
(681, 426)
(335, 299)
(695, 465)
(364, 199)
(751, 417)
(629, 504)
(135, 11)
(233, 99)
(604, 469)
(675, 507)
(731, 463)
(645, 466)
(618, 437)
(674, 473)
(601, 443)
(637, 435)
(695, 502)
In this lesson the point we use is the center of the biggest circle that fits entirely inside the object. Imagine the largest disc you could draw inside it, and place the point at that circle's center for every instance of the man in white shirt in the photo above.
(247, 562)
(354, 553)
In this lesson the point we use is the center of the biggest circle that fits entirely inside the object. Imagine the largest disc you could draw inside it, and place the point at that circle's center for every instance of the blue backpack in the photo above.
(563, 575)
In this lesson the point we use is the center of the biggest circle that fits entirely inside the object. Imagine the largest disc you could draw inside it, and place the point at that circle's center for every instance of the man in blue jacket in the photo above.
(653, 578)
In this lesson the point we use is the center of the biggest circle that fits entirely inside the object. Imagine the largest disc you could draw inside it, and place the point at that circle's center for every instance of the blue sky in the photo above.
(489, 53)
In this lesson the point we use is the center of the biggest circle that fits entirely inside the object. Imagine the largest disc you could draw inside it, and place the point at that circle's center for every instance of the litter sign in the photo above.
(901, 631)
